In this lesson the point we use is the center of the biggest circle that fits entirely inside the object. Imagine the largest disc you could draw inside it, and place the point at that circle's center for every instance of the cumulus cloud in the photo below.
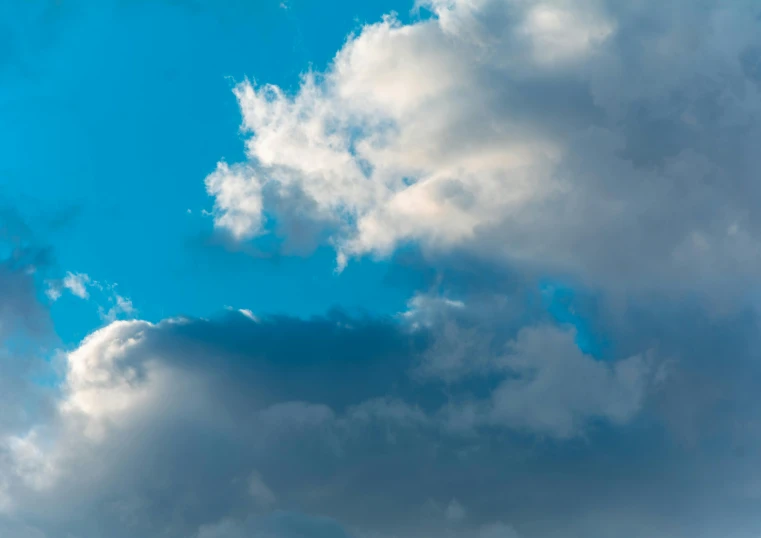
(238, 201)
(133, 385)
(612, 142)
(609, 143)
(287, 427)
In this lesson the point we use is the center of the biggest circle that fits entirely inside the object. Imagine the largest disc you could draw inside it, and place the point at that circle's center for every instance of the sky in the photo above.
(380, 269)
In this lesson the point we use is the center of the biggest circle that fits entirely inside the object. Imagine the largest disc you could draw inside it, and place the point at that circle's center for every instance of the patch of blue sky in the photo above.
(561, 302)
(116, 110)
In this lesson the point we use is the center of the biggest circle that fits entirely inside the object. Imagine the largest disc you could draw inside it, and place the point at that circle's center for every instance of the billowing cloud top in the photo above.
(606, 140)
(579, 177)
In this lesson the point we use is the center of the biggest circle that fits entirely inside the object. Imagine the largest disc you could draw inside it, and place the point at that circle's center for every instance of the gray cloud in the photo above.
(25, 325)
(246, 428)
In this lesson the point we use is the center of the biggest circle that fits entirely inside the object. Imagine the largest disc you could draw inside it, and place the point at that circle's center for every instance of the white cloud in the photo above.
(53, 292)
(238, 200)
(35, 468)
(81, 285)
(564, 31)
(250, 315)
(77, 284)
(424, 310)
(121, 307)
(104, 385)
(545, 133)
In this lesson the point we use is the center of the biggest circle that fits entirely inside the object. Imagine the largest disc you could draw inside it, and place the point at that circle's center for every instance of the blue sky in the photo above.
(114, 114)
(380, 269)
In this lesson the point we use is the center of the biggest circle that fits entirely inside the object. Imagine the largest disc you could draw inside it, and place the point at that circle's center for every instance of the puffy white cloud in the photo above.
(611, 141)
(238, 200)
(105, 382)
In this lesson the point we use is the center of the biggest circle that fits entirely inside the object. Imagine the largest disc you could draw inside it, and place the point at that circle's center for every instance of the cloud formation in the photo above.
(610, 142)
(81, 285)
(517, 146)
(282, 427)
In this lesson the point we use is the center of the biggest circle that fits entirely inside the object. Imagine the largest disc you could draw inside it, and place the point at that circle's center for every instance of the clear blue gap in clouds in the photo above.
(561, 302)
(117, 110)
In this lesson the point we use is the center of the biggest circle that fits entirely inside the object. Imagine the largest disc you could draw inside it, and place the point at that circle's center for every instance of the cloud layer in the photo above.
(580, 180)
(336, 427)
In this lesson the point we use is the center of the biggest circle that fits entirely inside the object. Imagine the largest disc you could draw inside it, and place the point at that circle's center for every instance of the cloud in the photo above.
(81, 285)
(238, 202)
(554, 388)
(605, 141)
(604, 147)
(289, 426)
(25, 331)
(77, 284)
(53, 293)
(121, 307)
(19, 309)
